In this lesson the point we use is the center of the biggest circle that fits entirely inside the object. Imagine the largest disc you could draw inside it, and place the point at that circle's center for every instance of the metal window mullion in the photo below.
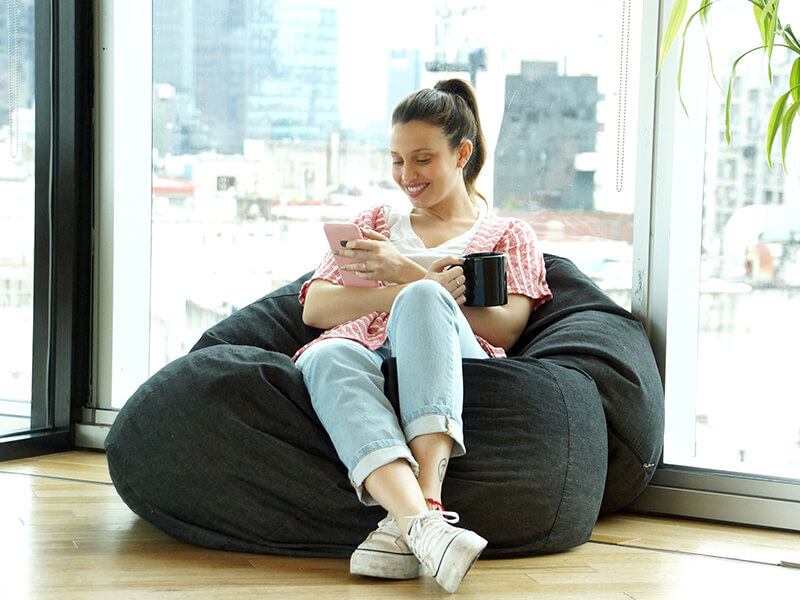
(62, 225)
(40, 409)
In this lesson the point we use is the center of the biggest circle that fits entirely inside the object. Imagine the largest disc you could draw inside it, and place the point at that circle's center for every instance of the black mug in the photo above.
(485, 274)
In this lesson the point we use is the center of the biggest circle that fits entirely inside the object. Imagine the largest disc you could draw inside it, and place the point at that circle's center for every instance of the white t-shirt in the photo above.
(409, 244)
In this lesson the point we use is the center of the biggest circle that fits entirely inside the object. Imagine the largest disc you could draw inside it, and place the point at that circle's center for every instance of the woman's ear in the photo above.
(464, 152)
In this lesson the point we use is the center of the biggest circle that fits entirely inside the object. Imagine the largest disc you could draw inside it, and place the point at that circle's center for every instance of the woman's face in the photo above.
(424, 165)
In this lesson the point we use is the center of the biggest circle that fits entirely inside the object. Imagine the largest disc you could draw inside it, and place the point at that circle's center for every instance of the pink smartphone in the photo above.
(344, 232)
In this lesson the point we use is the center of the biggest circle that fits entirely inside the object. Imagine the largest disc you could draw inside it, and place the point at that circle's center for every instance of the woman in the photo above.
(416, 315)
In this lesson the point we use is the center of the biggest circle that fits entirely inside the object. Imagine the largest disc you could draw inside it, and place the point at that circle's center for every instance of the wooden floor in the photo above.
(64, 533)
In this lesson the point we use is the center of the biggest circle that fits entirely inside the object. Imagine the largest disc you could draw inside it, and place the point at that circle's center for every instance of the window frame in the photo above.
(671, 313)
(62, 229)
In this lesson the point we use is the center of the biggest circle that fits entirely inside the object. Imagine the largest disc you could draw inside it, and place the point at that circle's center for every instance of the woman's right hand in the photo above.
(380, 260)
(449, 273)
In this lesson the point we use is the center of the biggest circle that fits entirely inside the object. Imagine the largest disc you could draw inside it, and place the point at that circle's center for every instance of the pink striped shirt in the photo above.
(525, 274)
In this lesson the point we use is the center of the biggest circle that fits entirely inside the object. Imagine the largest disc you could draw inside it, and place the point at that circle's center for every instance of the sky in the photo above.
(512, 29)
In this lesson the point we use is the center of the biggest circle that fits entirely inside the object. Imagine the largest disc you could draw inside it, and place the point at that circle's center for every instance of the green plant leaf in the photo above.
(673, 27)
(771, 13)
(791, 39)
(680, 72)
(775, 121)
(794, 80)
(767, 15)
(730, 92)
(701, 11)
(786, 132)
(758, 12)
(705, 5)
(728, 107)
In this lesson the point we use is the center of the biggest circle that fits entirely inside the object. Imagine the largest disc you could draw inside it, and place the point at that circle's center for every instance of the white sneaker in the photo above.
(448, 552)
(386, 554)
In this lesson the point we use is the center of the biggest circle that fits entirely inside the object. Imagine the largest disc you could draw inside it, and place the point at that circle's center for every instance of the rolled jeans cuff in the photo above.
(374, 460)
(437, 423)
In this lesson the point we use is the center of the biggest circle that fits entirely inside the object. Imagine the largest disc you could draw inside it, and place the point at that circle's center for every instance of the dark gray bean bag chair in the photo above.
(221, 447)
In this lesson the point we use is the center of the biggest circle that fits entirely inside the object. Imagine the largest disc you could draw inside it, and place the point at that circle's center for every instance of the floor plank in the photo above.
(65, 539)
(695, 537)
(83, 466)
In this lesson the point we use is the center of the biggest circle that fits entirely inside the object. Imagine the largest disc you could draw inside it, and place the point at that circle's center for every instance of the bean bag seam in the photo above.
(544, 321)
(627, 443)
(222, 340)
(569, 453)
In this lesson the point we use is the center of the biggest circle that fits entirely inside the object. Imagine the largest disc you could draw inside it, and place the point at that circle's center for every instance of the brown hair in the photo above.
(451, 105)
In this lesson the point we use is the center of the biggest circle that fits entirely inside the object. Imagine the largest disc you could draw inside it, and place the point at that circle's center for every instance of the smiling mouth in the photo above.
(416, 190)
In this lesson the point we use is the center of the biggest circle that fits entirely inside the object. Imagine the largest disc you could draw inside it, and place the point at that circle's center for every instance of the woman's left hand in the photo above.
(450, 274)
(380, 260)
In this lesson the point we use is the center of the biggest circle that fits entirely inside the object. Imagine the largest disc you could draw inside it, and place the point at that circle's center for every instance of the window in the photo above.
(258, 139)
(250, 157)
(17, 211)
(45, 224)
(723, 300)
(746, 416)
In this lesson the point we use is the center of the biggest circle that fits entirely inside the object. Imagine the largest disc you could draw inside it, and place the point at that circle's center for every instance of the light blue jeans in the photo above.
(428, 335)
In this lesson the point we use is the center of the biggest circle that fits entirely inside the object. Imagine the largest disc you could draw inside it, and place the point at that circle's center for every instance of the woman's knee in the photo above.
(329, 355)
(424, 295)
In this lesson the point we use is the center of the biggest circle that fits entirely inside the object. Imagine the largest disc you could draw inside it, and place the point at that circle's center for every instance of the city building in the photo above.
(459, 43)
(549, 122)
(403, 77)
(283, 53)
(20, 73)
(751, 218)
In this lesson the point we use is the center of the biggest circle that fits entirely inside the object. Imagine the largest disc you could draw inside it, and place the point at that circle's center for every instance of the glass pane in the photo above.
(16, 213)
(748, 414)
(565, 151)
(271, 117)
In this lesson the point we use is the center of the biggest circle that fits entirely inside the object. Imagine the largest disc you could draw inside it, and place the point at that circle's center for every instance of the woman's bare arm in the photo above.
(327, 305)
(500, 325)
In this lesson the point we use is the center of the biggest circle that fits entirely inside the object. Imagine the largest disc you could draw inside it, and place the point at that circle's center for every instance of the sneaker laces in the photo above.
(439, 520)
(387, 522)
(448, 515)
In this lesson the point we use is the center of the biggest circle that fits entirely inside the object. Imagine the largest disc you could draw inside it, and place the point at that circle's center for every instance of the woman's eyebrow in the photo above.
(418, 150)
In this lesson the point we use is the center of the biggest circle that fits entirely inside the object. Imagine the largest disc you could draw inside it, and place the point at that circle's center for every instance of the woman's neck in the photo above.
(462, 210)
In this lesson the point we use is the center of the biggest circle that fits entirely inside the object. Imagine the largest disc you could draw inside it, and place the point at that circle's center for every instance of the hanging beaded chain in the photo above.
(13, 78)
(622, 100)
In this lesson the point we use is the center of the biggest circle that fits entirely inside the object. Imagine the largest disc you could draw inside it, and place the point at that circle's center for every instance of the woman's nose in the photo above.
(408, 173)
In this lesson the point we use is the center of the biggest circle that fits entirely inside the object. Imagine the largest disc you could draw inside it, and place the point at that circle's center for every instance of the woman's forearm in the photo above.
(328, 305)
(500, 325)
